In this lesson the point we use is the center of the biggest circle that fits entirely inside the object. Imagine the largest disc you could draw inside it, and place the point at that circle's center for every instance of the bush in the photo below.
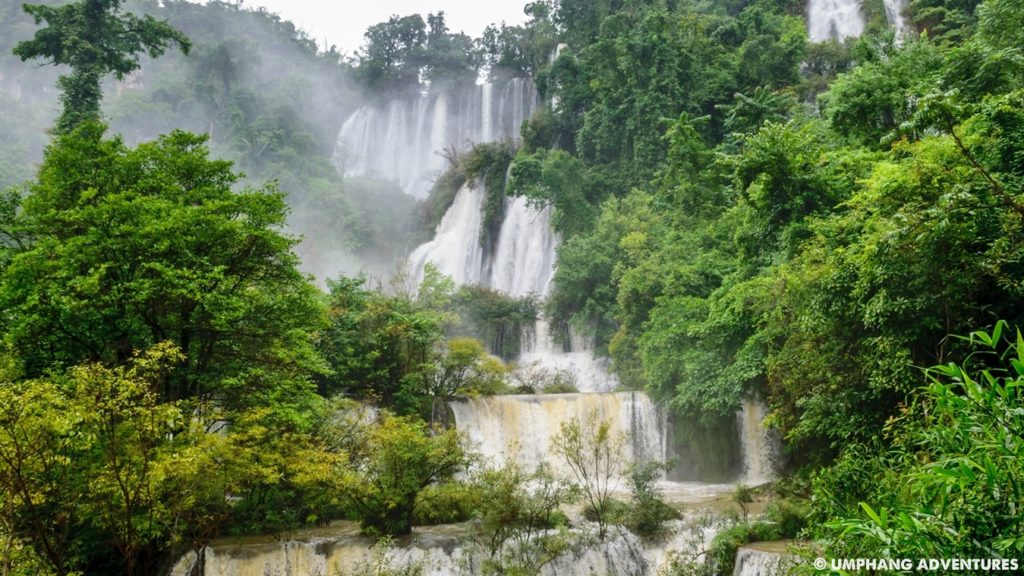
(957, 454)
(722, 553)
(789, 514)
(648, 512)
(446, 504)
(402, 459)
(494, 318)
(534, 378)
(519, 522)
(615, 512)
(560, 385)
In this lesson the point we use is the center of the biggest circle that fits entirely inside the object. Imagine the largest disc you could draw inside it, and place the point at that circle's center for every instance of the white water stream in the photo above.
(402, 139)
(834, 19)
(841, 19)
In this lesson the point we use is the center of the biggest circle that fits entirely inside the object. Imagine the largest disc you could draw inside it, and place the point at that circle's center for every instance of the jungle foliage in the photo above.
(741, 213)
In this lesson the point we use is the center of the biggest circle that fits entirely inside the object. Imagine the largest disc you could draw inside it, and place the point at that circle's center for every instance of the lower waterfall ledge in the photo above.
(435, 551)
(765, 559)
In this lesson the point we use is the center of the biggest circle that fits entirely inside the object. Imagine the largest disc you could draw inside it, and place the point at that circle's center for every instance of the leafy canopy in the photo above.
(94, 39)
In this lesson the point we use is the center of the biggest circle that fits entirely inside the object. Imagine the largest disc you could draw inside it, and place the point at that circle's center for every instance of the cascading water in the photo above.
(764, 559)
(841, 19)
(455, 249)
(522, 264)
(588, 373)
(760, 446)
(834, 19)
(524, 257)
(399, 140)
(522, 428)
(437, 552)
(894, 14)
(402, 139)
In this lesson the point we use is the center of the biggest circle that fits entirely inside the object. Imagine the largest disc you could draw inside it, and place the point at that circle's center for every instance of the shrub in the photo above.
(789, 514)
(649, 512)
(446, 504)
(722, 553)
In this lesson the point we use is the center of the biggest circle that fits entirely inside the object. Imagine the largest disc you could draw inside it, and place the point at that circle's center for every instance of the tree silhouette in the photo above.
(94, 39)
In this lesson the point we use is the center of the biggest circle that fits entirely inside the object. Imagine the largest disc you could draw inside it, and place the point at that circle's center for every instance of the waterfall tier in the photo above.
(834, 19)
(402, 139)
(764, 559)
(761, 447)
(588, 373)
(524, 257)
(894, 14)
(522, 428)
(522, 264)
(455, 250)
(841, 19)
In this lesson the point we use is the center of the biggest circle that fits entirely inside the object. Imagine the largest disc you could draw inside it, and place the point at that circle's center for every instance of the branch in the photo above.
(996, 186)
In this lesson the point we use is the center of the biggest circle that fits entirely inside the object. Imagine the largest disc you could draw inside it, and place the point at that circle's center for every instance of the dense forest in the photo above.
(208, 330)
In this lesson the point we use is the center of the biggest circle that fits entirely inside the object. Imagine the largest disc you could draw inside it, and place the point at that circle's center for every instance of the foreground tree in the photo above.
(462, 368)
(401, 459)
(519, 522)
(89, 469)
(118, 249)
(98, 476)
(595, 455)
(94, 39)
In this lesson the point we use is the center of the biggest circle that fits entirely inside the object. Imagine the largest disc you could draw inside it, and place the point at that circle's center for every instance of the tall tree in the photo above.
(94, 39)
(123, 248)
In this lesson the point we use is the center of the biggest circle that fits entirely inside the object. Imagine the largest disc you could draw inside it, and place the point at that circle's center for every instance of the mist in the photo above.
(271, 101)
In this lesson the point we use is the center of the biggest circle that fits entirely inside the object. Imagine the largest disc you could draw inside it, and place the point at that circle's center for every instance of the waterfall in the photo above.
(764, 559)
(834, 19)
(523, 264)
(523, 427)
(760, 446)
(455, 249)
(589, 373)
(894, 14)
(402, 139)
(524, 257)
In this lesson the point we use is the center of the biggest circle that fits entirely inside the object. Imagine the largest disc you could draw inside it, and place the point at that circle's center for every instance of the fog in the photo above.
(270, 100)
(342, 24)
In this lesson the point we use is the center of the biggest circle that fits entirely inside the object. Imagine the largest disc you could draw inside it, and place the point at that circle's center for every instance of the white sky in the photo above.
(343, 22)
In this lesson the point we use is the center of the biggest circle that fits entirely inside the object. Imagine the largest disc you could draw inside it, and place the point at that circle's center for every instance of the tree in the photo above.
(377, 346)
(401, 458)
(391, 58)
(518, 521)
(93, 457)
(94, 39)
(649, 511)
(98, 475)
(594, 454)
(119, 249)
(463, 368)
